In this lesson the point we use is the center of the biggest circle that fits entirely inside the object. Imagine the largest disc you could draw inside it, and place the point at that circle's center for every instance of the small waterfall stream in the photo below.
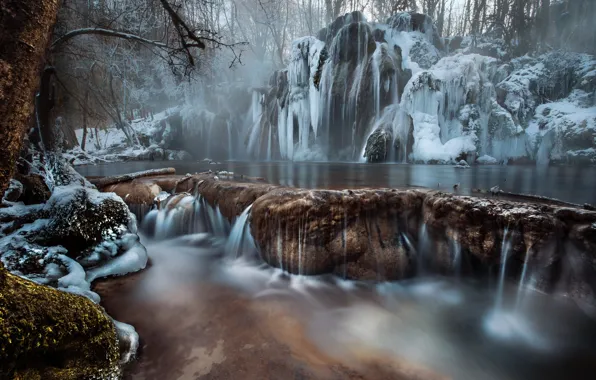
(239, 234)
(505, 247)
(339, 312)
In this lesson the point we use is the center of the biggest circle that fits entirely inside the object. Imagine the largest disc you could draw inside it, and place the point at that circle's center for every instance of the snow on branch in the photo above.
(105, 32)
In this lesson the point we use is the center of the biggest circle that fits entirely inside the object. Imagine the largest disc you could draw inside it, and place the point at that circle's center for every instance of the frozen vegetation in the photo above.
(399, 92)
(394, 91)
(60, 231)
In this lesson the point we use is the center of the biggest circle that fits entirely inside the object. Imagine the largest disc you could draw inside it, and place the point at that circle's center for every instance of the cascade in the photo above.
(184, 215)
(457, 256)
(344, 242)
(280, 247)
(522, 280)
(506, 246)
(423, 248)
(230, 143)
(239, 235)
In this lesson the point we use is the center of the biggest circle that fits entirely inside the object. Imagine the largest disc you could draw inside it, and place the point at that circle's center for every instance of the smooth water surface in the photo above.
(568, 183)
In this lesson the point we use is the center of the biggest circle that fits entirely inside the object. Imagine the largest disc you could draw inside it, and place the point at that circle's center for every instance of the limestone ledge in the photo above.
(380, 234)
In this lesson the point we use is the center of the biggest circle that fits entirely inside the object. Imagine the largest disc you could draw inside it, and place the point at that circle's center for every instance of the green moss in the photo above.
(48, 334)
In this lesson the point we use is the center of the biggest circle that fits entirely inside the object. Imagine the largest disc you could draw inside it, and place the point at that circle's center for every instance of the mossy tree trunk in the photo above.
(25, 30)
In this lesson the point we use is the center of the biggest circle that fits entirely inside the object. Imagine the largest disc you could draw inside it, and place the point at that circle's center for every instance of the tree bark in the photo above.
(84, 142)
(25, 30)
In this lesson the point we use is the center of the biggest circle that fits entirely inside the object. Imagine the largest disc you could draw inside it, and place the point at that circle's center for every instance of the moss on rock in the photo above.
(48, 334)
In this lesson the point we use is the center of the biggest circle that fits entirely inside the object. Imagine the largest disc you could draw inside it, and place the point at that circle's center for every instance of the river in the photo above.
(203, 314)
(568, 183)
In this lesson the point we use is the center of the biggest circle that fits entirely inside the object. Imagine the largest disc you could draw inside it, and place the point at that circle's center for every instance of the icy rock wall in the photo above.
(437, 100)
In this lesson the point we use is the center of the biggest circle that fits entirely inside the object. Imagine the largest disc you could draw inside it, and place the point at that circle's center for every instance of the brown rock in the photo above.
(35, 190)
(321, 231)
(135, 192)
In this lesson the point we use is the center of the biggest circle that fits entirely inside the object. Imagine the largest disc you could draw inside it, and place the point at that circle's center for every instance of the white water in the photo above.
(522, 280)
(238, 235)
(505, 247)
(419, 320)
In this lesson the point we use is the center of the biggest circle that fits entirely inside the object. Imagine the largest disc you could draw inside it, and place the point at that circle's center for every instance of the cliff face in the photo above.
(439, 100)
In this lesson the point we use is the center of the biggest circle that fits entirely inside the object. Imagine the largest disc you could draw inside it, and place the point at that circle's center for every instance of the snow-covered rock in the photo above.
(76, 231)
(153, 136)
(565, 131)
(487, 160)
(378, 145)
(439, 99)
(14, 191)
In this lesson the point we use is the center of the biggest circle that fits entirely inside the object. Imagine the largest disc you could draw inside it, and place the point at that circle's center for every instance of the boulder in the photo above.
(137, 192)
(353, 42)
(327, 34)
(80, 218)
(326, 231)
(416, 22)
(35, 189)
(14, 191)
(53, 335)
(378, 146)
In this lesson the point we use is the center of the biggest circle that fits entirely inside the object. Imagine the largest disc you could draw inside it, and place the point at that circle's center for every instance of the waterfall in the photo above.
(280, 247)
(423, 246)
(505, 247)
(522, 280)
(456, 256)
(344, 236)
(230, 149)
(377, 80)
(269, 145)
(184, 215)
(239, 234)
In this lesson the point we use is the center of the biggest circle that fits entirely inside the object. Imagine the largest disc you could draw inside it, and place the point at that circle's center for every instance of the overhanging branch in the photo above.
(104, 32)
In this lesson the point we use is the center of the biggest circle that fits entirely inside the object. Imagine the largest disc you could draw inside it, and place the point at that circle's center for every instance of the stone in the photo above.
(81, 218)
(378, 146)
(14, 191)
(35, 189)
(374, 234)
(52, 335)
(135, 192)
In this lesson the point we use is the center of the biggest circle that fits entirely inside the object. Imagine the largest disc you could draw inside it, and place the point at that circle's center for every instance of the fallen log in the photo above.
(111, 180)
(535, 198)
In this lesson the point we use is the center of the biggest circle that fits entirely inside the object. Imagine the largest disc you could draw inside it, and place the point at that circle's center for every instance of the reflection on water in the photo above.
(569, 183)
(195, 299)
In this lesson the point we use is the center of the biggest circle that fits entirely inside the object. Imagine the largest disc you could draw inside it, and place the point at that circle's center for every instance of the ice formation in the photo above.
(438, 100)
(76, 237)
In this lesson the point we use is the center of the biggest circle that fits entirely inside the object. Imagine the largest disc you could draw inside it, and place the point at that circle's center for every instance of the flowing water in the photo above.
(208, 308)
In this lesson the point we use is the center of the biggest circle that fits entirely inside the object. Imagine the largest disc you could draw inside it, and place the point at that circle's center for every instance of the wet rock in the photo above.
(320, 231)
(232, 198)
(328, 34)
(136, 192)
(353, 42)
(81, 219)
(378, 145)
(35, 189)
(14, 191)
(54, 335)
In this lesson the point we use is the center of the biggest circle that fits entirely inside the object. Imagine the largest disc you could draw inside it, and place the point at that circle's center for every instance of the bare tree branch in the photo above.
(104, 32)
